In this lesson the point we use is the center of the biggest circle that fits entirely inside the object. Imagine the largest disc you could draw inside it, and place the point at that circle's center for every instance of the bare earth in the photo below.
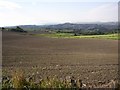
(92, 60)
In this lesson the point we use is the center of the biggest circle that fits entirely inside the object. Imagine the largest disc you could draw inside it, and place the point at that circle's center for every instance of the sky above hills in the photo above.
(37, 12)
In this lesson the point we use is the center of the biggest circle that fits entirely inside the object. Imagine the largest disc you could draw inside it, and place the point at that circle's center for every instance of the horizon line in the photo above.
(97, 22)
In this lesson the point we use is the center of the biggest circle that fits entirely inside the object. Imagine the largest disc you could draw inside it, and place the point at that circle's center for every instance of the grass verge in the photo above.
(68, 35)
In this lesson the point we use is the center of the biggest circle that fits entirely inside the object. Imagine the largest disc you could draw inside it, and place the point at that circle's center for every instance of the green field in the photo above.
(68, 35)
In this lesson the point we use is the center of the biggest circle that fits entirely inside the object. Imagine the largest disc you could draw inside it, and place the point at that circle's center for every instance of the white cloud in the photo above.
(106, 12)
(15, 16)
(12, 18)
(69, 0)
(9, 5)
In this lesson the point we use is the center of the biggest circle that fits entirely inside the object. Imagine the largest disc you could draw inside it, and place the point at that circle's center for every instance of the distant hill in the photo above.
(91, 28)
(88, 26)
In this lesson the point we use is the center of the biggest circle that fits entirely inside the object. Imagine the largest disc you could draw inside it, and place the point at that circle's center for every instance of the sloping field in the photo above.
(92, 60)
(69, 35)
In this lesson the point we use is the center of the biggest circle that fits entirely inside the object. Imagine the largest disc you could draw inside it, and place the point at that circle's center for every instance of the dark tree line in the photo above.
(17, 29)
(78, 32)
(94, 32)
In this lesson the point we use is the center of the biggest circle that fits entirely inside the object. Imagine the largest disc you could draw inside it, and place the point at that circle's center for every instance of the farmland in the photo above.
(93, 60)
(71, 35)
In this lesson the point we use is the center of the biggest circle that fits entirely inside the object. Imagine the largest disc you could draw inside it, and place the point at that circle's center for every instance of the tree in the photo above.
(2, 28)
(18, 29)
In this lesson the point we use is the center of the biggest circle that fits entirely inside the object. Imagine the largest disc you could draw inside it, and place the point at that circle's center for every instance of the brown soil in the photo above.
(92, 60)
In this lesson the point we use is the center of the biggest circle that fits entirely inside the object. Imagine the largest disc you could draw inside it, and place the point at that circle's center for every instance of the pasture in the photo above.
(71, 35)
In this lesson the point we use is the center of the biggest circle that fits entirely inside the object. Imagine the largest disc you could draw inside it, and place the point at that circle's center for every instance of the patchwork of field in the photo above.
(92, 60)
(71, 35)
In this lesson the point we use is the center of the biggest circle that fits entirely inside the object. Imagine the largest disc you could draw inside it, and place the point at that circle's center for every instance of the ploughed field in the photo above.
(91, 60)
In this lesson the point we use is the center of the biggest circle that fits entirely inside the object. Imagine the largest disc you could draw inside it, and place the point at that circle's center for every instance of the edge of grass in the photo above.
(68, 35)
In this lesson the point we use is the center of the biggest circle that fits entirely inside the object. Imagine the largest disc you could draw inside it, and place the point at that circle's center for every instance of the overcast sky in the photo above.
(37, 12)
